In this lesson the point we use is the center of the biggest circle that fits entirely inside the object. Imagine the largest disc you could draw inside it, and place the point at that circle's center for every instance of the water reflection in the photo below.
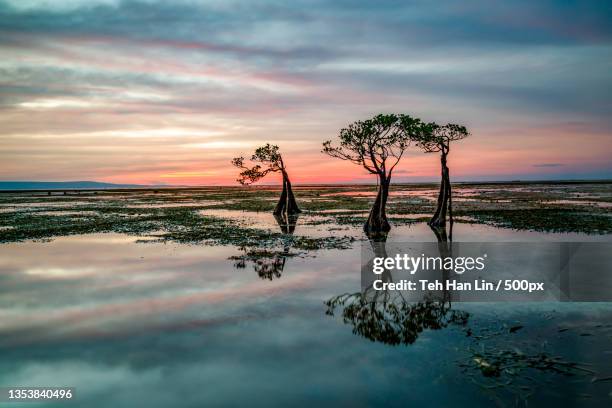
(287, 223)
(386, 316)
(269, 264)
(504, 359)
(394, 321)
(131, 324)
(441, 235)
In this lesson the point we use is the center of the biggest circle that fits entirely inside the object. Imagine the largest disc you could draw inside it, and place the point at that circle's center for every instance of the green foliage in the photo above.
(267, 154)
(270, 159)
(437, 138)
(370, 143)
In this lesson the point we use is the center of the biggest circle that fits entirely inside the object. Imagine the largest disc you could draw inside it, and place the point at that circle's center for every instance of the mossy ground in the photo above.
(175, 214)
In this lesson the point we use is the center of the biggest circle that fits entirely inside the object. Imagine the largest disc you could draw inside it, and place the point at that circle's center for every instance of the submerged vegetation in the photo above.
(205, 214)
(547, 219)
(494, 356)
(183, 224)
(519, 361)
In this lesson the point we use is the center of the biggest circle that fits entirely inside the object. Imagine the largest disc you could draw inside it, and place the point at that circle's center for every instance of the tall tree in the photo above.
(377, 145)
(439, 140)
(267, 160)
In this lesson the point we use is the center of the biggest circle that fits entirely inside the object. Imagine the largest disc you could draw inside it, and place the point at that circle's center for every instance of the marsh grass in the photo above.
(173, 214)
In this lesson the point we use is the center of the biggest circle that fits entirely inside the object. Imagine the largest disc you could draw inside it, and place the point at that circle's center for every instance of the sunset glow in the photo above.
(153, 92)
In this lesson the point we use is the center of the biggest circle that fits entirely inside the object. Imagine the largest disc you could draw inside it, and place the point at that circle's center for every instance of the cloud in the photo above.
(549, 165)
(296, 72)
(403, 172)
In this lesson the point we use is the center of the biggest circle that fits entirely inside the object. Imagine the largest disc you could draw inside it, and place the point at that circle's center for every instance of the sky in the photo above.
(160, 92)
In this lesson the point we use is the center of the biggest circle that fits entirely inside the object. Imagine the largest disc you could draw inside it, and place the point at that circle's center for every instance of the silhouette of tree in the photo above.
(269, 264)
(270, 268)
(394, 322)
(267, 160)
(377, 145)
(439, 140)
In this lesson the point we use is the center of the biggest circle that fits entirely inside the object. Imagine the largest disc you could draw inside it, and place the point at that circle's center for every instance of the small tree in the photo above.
(377, 145)
(439, 140)
(268, 160)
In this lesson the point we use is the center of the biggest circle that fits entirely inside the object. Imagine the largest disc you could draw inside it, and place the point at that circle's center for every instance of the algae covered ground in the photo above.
(208, 214)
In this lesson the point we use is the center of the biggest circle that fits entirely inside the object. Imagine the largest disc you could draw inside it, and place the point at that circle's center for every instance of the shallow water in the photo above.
(600, 204)
(148, 324)
(308, 224)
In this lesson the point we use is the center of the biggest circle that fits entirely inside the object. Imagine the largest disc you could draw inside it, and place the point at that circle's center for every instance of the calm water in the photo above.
(146, 324)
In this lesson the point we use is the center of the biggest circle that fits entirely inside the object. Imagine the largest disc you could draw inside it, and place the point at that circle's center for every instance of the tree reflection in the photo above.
(441, 235)
(394, 321)
(287, 222)
(506, 365)
(386, 316)
(269, 264)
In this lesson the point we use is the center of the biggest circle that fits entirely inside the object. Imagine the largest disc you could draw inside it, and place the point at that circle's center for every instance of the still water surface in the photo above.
(147, 324)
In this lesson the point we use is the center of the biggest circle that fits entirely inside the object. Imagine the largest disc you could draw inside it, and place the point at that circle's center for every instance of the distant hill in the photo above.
(61, 185)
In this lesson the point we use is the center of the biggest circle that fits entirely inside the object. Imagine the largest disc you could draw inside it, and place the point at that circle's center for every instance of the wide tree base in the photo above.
(287, 222)
(287, 205)
(437, 223)
(377, 236)
(377, 230)
(290, 211)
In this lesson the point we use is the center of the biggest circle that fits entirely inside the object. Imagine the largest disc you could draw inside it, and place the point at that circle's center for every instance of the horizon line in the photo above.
(130, 186)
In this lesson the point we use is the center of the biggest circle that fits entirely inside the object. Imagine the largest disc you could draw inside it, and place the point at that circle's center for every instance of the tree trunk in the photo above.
(377, 222)
(450, 206)
(439, 218)
(292, 207)
(281, 205)
(286, 204)
(444, 209)
(439, 201)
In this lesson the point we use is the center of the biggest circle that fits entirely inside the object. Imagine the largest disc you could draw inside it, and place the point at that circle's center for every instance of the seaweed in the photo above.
(177, 224)
(173, 213)
(545, 219)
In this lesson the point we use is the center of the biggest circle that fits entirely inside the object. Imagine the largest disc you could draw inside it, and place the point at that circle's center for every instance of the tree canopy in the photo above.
(438, 138)
(268, 160)
(377, 144)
